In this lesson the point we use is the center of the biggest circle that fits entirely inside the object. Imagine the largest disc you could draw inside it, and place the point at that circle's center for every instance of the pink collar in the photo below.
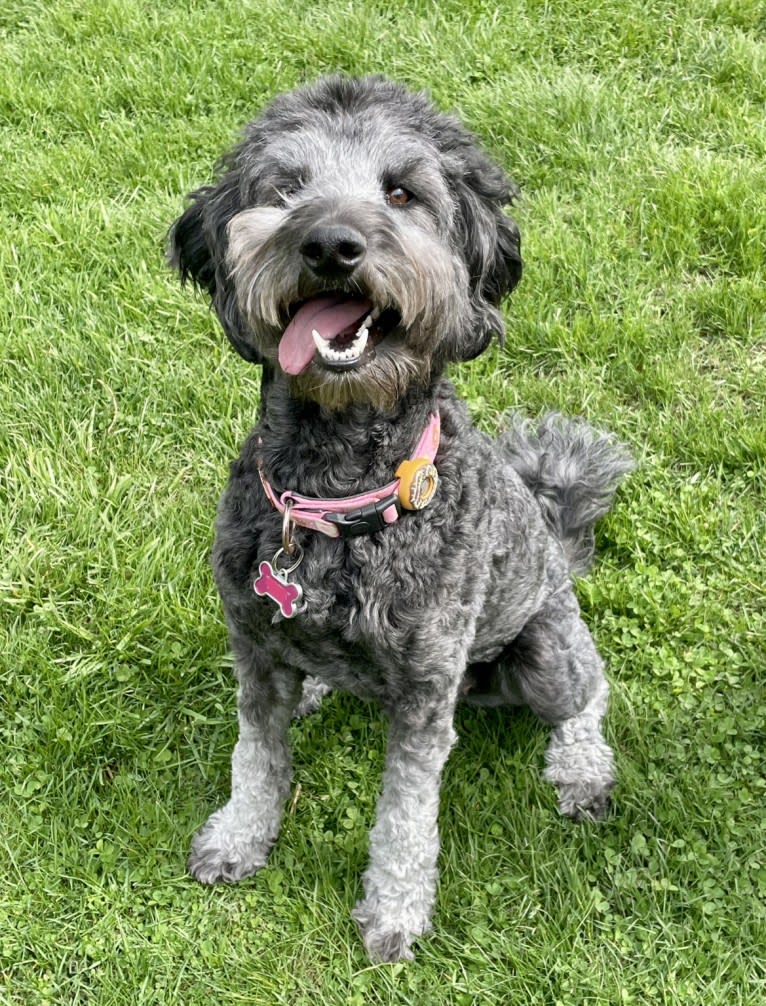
(413, 488)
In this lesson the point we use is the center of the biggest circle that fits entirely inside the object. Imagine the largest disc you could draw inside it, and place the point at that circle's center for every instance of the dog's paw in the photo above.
(583, 774)
(223, 854)
(314, 691)
(386, 942)
(585, 801)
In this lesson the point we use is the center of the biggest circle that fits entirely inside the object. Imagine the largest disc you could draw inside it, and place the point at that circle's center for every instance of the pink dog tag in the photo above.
(273, 583)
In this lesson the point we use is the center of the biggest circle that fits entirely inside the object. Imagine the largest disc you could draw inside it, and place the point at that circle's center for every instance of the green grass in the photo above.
(636, 133)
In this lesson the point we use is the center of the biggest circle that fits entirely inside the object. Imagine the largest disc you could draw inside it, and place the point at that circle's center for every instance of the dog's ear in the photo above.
(491, 245)
(197, 249)
(189, 251)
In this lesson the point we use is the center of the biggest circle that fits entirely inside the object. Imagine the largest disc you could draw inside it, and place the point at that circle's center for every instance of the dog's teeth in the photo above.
(364, 326)
(375, 313)
(351, 352)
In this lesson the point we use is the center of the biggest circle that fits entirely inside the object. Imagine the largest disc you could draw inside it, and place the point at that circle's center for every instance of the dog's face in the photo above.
(356, 240)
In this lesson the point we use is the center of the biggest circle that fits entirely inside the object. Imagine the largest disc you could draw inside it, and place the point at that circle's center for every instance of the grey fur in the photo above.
(573, 471)
(469, 598)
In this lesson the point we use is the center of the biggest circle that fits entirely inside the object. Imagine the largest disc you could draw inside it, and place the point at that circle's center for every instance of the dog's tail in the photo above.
(573, 470)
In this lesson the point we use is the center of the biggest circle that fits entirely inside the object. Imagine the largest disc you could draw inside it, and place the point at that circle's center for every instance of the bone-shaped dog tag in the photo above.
(272, 582)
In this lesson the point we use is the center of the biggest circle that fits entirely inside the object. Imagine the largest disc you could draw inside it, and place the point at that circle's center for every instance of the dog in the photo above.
(371, 539)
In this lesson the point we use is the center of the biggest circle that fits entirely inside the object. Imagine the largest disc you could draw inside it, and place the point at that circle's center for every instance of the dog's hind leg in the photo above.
(553, 667)
(580, 763)
(236, 839)
(560, 676)
(400, 881)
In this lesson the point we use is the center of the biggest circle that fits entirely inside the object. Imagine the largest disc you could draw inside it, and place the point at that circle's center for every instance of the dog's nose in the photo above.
(332, 248)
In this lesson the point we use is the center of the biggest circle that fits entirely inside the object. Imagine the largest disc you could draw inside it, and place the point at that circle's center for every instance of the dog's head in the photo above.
(356, 239)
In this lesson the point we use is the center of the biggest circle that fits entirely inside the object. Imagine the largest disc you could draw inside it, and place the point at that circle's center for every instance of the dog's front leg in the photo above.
(400, 882)
(236, 839)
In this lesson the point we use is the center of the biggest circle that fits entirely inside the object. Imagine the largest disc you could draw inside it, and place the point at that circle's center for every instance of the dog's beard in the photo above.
(381, 382)
(416, 286)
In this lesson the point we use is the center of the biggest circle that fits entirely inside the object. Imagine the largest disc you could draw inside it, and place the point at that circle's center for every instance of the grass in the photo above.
(635, 131)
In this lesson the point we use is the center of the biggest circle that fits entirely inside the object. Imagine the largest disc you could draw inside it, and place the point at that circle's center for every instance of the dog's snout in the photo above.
(333, 248)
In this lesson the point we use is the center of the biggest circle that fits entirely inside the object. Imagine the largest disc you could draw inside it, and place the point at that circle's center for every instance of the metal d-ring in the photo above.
(297, 555)
(288, 545)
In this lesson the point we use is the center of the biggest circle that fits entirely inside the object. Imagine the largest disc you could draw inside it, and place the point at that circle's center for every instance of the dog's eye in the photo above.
(287, 188)
(397, 196)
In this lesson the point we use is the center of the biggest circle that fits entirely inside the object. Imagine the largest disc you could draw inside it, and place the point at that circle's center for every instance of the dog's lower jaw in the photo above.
(381, 381)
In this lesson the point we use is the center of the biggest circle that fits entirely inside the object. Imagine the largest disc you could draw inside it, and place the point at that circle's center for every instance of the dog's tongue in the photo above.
(329, 315)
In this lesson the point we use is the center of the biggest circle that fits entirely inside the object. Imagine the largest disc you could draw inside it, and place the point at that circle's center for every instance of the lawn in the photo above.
(636, 133)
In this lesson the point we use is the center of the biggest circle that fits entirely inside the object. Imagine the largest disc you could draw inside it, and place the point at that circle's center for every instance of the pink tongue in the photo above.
(329, 316)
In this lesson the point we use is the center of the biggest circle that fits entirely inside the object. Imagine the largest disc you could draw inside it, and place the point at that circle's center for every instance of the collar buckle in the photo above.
(366, 520)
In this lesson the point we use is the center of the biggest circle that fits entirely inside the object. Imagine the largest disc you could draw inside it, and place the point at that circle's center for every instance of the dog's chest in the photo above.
(382, 609)
(375, 609)
(355, 629)
(375, 591)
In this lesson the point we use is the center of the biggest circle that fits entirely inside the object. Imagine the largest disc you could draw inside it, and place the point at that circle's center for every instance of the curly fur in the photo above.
(469, 598)
(573, 471)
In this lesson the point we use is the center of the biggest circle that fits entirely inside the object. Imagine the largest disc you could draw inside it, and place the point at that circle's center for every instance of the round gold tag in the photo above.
(418, 482)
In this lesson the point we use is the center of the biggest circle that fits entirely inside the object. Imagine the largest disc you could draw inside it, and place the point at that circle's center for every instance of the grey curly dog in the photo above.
(370, 538)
